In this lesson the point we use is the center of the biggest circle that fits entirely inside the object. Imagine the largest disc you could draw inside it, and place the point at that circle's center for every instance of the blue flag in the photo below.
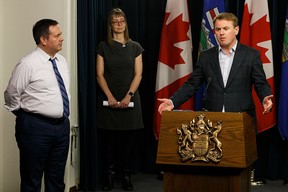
(283, 98)
(211, 9)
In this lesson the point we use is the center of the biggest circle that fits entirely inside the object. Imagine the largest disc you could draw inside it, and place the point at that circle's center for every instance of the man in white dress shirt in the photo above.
(33, 95)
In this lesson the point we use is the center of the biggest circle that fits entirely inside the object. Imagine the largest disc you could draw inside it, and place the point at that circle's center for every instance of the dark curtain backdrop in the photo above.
(145, 19)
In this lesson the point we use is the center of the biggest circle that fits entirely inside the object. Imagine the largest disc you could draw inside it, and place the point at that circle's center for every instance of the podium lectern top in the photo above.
(237, 137)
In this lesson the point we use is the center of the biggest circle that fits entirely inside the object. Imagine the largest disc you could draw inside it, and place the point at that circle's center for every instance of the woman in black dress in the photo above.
(119, 116)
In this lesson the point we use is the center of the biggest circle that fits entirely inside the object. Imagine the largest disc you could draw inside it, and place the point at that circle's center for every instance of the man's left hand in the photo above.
(267, 104)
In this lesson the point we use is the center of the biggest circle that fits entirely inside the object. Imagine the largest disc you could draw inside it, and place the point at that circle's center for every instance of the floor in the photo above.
(144, 182)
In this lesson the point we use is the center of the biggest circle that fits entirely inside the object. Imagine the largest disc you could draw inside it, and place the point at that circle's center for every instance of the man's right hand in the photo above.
(166, 105)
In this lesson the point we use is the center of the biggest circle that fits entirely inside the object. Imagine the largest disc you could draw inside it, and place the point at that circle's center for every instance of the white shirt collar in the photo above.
(232, 49)
(44, 56)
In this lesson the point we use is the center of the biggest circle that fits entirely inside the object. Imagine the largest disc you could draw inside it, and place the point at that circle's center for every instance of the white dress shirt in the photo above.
(33, 85)
(225, 61)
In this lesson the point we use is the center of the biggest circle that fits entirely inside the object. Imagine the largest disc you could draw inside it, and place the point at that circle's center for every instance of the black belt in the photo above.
(47, 119)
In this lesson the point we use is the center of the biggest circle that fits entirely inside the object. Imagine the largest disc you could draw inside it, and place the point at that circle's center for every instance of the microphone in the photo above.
(209, 79)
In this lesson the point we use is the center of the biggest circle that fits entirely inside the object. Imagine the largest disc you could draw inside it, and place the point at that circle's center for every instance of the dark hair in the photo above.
(228, 17)
(112, 13)
(41, 28)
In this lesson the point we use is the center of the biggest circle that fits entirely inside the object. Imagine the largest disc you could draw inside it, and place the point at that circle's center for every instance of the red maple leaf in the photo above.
(256, 33)
(261, 32)
(176, 31)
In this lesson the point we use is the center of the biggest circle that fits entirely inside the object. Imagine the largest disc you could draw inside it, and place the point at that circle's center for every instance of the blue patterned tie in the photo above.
(62, 89)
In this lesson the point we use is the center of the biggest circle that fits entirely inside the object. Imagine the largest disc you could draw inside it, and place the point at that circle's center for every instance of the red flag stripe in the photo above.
(175, 55)
(255, 32)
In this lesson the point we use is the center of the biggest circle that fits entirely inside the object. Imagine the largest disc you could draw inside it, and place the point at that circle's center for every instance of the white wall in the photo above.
(16, 21)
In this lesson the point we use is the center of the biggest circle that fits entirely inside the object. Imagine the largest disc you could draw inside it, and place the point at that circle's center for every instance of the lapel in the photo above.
(238, 57)
(216, 66)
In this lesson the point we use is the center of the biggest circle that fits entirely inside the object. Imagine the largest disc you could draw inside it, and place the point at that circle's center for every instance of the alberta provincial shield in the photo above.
(199, 141)
(200, 146)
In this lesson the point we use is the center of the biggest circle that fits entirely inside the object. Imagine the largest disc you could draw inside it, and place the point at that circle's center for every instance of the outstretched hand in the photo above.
(166, 105)
(267, 104)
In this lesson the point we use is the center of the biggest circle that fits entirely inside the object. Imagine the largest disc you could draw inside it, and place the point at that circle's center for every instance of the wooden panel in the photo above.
(238, 137)
(236, 181)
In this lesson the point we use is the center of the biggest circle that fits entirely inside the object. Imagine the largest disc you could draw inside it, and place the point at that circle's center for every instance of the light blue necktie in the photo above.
(62, 89)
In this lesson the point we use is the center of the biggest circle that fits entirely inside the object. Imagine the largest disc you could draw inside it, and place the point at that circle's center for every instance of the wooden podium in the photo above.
(231, 173)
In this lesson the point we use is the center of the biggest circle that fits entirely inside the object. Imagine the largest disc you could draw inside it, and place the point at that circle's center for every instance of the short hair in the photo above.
(118, 13)
(227, 16)
(41, 28)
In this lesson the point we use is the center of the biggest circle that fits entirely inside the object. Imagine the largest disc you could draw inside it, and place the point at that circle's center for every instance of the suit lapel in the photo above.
(216, 66)
(239, 55)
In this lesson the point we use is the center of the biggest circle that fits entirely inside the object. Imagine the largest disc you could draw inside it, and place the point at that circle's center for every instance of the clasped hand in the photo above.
(113, 103)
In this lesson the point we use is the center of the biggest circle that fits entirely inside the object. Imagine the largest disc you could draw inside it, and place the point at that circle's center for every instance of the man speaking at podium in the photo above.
(229, 70)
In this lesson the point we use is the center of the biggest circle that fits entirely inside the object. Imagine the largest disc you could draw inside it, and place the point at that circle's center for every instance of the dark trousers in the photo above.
(43, 144)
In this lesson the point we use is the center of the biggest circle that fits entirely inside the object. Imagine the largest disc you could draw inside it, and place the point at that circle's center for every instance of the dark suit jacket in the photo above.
(246, 71)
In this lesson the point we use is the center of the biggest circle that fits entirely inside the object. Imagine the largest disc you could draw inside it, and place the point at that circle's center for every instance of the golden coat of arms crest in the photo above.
(199, 141)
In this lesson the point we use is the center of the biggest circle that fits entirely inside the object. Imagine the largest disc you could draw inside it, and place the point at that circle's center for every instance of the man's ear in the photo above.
(43, 40)
(236, 30)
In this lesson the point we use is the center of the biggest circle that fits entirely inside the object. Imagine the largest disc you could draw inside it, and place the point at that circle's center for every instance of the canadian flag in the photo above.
(175, 56)
(255, 32)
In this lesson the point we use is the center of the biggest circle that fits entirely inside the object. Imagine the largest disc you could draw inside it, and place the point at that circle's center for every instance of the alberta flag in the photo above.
(175, 56)
(255, 32)
(283, 98)
(211, 9)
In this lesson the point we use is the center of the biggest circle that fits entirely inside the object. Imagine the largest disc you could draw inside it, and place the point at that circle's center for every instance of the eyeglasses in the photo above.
(121, 22)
